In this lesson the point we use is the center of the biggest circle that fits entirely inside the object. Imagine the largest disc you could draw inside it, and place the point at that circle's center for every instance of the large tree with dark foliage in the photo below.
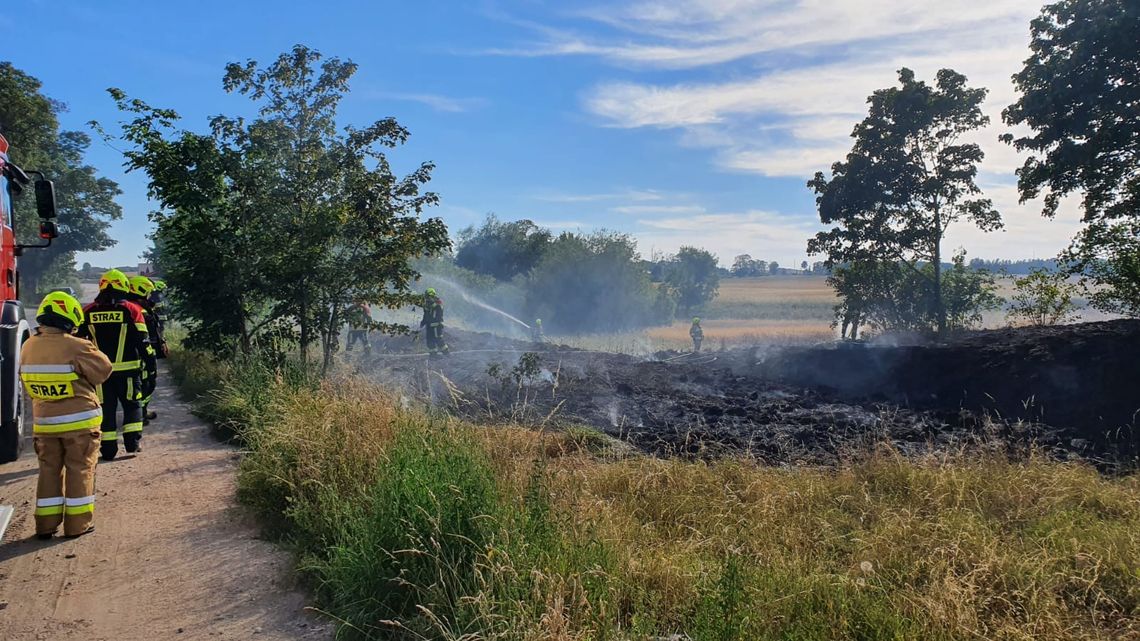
(85, 200)
(693, 275)
(1080, 96)
(281, 223)
(502, 249)
(908, 178)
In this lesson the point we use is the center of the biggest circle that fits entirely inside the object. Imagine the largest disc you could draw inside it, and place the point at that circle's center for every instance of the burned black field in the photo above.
(1070, 392)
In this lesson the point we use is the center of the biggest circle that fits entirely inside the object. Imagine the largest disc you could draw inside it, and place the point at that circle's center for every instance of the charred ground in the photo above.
(1070, 390)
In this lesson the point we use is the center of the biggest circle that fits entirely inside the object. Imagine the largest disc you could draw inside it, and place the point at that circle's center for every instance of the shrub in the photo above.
(1043, 298)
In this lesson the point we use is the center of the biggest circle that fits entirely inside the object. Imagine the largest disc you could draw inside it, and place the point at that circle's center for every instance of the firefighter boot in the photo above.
(133, 414)
(109, 446)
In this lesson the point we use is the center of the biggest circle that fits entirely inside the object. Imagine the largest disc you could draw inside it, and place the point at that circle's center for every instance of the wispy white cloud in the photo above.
(681, 34)
(1026, 233)
(797, 121)
(775, 87)
(762, 234)
(658, 209)
(563, 225)
(781, 161)
(437, 102)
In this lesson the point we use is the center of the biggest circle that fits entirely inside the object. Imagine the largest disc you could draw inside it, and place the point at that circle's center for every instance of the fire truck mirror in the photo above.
(48, 230)
(45, 201)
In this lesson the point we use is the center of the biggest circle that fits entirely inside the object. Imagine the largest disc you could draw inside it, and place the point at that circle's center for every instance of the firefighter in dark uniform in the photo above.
(432, 323)
(117, 327)
(141, 289)
(157, 299)
(359, 322)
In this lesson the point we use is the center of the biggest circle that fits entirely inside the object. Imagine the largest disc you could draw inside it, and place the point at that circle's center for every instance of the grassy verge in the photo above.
(413, 525)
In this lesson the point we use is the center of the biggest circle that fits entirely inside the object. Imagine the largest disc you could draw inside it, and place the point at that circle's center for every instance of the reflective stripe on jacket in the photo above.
(119, 330)
(433, 312)
(61, 373)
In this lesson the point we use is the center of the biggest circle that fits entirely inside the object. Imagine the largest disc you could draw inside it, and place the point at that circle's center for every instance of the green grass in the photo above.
(412, 525)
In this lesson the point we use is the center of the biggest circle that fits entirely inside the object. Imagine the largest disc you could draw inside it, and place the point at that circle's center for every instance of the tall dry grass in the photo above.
(412, 525)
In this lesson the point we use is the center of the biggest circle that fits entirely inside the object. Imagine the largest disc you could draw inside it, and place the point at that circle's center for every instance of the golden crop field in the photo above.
(776, 289)
(746, 311)
(768, 309)
(738, 331)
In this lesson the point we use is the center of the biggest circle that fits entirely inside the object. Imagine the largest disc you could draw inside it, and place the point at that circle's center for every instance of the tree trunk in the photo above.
(939, 304)
(246, 339)
(306, 328)
(331, 341)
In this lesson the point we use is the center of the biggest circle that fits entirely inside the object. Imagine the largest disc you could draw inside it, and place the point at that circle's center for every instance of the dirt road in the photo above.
(173, 556)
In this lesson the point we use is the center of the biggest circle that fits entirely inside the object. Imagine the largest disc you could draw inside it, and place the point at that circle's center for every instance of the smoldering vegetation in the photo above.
(1068, 391)
(577, 283)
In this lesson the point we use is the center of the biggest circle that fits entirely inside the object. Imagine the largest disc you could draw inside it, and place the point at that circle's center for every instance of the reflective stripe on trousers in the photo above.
(49, 506)
(81, 505)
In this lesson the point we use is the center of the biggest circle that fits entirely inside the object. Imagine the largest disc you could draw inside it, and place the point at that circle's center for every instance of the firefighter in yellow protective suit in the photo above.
(61, 373)
(697, 334)
(117, 327)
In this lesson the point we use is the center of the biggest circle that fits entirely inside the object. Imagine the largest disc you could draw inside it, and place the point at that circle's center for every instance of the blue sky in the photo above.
(682, 122)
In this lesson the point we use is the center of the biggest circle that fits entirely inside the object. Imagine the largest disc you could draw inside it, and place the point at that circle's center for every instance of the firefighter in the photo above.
(141, 289)
(157, 299)
(117, 327)
(359, 319)
(536, 334)
(697, 334)
(433, 323)
(61, 374)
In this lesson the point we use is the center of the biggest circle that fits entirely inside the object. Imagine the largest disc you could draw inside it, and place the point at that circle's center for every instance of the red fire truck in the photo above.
(14, 329)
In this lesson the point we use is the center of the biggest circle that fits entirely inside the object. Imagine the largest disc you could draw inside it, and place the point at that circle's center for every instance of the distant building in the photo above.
(146, 269)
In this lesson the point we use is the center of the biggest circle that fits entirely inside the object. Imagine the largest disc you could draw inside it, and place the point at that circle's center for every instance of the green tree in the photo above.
(212, 231)
(1079, 97)
(743, 265)
(693, 275)
(502, 250)
(907, 179)
(85, 200)
(894, 296)
(276, 226)
(856, 287)
(1043, 298)
(1107, 257)
(966, 293)
(595, 283)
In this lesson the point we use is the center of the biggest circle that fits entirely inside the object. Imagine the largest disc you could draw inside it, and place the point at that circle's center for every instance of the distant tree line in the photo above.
(1014, 267)
(591, 282)
(744, 266)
